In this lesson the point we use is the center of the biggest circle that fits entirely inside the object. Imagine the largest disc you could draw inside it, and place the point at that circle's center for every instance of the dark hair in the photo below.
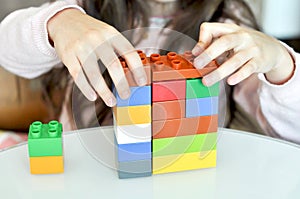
(129, 14)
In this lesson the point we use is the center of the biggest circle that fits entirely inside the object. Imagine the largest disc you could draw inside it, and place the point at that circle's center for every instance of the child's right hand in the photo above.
(80, 41)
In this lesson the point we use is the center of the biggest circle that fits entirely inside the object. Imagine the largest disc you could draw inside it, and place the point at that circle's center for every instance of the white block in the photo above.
(128, 134)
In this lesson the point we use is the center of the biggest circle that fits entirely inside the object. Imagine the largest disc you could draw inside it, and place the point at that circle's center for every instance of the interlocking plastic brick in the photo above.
(201, 106)
(136, 133)
(46, 164)
(195, 89)
(168, 90)
(168, 110)
(132, 115)
(138, 96)
(175, 67)
(45, 139)
(184, 144)
(141, 168)
(184, 162)
(185, 126)
(134, 151)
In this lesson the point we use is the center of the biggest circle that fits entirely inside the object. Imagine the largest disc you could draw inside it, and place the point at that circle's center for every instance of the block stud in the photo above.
(176, 64)
(155, 57)
(144, 60)
(188, 55)
(171, 56)
(53, 127)
(36, 129)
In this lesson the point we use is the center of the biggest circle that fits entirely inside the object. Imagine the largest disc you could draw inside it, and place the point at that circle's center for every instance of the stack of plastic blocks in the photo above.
(45, 148)
(132, 123)
(185, 115)
(184, 118)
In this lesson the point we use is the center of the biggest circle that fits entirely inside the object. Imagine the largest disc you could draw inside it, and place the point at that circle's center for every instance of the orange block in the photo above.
(184, 126)
(175, 67)
(168, 110)
(46, 164)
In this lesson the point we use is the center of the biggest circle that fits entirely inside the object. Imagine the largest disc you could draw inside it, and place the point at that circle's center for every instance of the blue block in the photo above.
(134, 151)
(138, 96)
(126, 175)
(140, 168)
(201, 106)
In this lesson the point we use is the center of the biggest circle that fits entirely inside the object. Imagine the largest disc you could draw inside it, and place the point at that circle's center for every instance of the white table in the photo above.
(248, 166)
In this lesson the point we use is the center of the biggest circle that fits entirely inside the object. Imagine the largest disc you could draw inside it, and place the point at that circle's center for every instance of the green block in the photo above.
(45, 139)
(184, 144)
(195, 89)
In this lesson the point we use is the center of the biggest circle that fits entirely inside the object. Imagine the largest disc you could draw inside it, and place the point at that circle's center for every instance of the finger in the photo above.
(133, 60)
(228, 67)
(208, 31)
(92, 71)
(115, 69)
(75, 70)
(218, 47)
(247, 70)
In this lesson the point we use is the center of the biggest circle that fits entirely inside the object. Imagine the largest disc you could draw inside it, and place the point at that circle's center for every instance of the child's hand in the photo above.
(80, 41)
(253, 52)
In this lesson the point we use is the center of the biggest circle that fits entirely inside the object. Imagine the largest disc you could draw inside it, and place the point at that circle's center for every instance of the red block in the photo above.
(168, 90)
(184, 126)
(168, 110)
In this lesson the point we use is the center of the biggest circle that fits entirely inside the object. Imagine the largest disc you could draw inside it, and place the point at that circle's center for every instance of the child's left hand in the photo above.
(253, 52)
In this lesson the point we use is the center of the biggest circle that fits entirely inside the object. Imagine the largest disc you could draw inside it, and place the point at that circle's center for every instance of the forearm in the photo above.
(25, 49)
(280, 104)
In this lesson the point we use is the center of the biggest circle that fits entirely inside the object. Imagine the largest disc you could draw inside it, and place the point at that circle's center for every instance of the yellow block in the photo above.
(183, 162)
(46, 164)
(132, 114)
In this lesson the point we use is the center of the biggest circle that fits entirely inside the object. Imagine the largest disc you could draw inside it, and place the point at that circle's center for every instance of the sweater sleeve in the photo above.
(280, 104)
(25, 49)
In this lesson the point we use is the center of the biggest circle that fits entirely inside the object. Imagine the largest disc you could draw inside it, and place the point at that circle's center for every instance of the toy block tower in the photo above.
(132, 124)
(45, 148)
(184, 114)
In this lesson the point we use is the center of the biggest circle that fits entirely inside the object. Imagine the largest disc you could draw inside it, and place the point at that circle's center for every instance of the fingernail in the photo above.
(111, 102)
(198, 63)
(196, 50)
(93, 97)
(142, 81)
(125, 94)
(201, 61)
(207, 81)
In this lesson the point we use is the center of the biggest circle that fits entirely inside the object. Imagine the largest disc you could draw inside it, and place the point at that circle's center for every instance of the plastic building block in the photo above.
(45, 148)
(195, 89)
(168, 90)
(141, 168)
(184, 126)
(46, 164)
(175, 67)
(45, 139)
(184, 144)
(137, 133)
(201, 106)
(132, 115)
(134, 151)
(168, 110)
(183, 162)
(138, 96)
